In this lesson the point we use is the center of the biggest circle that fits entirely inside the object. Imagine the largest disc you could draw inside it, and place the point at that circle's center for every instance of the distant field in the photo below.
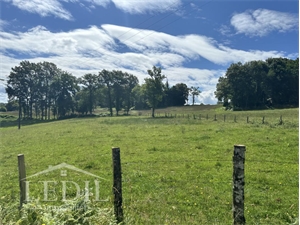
(175, 170)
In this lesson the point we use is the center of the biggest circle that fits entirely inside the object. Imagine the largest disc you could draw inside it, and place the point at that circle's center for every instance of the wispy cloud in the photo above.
(146, 6)
(261, 22)
(43, 8)
(90, 50)
(56, 8)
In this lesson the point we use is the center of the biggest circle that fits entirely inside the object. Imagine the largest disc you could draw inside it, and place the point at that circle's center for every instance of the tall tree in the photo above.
(64, 87)
(106, 78)
(131, 82)
(194, 91)
(91, 84)
(154, 88)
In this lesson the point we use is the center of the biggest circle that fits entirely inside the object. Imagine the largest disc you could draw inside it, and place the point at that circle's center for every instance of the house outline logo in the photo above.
(63, 173)
(67, 166)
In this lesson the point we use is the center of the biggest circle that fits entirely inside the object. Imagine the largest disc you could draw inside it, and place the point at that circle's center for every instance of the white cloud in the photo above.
(55, 7)
(43, 8)
(145, 6)
(90, 50)
(189, 46)
(261, 22)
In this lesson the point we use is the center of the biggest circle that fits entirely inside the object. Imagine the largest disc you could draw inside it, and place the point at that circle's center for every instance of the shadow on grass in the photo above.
(12, 121)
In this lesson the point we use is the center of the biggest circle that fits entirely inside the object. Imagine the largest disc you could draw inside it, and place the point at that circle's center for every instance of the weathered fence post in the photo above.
(238, 184)
(22, 178)
(235, 119)
(263, 120)
(215, 119)
(247, 119)
(117, 185)
(280, 120)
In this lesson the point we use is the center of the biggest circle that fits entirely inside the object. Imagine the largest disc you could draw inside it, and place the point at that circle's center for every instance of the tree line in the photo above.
(42, 90)
(260, 84)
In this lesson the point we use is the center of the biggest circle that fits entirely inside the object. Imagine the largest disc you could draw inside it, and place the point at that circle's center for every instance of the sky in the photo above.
(194, 42)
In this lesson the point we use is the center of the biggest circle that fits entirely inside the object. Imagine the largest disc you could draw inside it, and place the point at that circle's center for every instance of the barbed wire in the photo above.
(210, 160)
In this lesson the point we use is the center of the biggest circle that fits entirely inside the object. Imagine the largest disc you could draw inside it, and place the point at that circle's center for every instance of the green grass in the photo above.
(175, 170)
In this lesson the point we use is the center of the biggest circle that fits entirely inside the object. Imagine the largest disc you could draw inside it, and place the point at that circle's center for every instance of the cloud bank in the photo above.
(261, 22)
(90, 50)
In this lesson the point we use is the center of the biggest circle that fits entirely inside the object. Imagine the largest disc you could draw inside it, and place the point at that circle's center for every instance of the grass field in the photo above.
(175, 170)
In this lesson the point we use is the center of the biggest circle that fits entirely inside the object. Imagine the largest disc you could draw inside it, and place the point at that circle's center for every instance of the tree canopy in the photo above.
(42, 89)
(260, 84)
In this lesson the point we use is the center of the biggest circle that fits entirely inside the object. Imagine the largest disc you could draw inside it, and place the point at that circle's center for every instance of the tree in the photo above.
(106, 78)
(178, 94)
(253, 84)
(131, 82)
(194, 91)
(139, 97)
(154, 88)
(18, 87)
(64, 89)
(90, 84)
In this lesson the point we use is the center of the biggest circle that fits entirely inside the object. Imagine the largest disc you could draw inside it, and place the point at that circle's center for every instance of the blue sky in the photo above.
(193, 41)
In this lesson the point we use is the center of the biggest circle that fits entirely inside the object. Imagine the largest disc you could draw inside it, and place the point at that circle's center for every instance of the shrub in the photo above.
(3, 109)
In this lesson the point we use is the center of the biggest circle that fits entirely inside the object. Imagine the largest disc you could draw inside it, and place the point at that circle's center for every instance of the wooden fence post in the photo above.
(238, 184)
(117, 185)
(215, 119)
(22, 179)
(280, 120)
(235, 119)
(247, 119)
(263, 120)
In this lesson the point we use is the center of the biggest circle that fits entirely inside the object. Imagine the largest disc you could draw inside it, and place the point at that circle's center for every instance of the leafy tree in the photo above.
(106, 78)
(18, 86)
(118, 79)
(91, 84)
(12, 105)
(139, 97)
(178, 94)
(154, 88)
(64, 88)
(82, 101)
(194, 91)
(131, 82)
(251, 85)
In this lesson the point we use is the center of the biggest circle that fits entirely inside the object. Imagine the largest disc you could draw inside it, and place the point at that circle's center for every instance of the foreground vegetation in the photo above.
(175, 170)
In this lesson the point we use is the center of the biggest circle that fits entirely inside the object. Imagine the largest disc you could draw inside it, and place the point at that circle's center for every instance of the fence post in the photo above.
(215, 119)
(238, 184)
(263, 120)
(280, 120)
(22, 179)
(207, 116)
(235, 119)
(247, 119)
(117, 185)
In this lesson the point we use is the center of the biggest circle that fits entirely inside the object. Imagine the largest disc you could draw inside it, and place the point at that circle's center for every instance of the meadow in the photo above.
(175, 170)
